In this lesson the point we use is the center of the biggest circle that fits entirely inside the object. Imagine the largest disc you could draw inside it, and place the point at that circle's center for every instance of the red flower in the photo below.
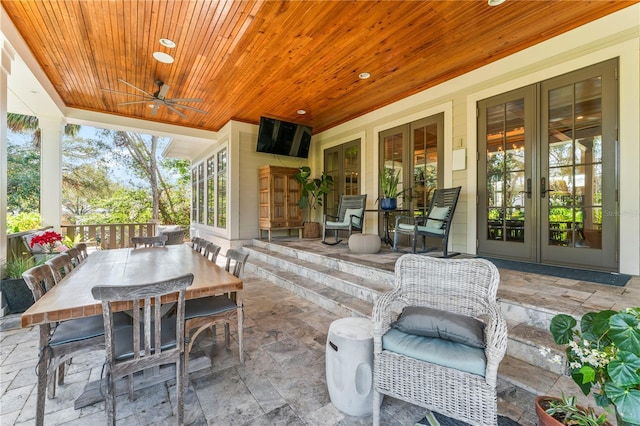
(46, 239)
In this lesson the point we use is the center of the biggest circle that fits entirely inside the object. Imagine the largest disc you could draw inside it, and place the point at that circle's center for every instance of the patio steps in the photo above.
(347, 288)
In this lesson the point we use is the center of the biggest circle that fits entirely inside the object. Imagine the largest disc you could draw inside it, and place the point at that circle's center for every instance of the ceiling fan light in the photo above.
(163, 57)
(495, 2)
(167, 43)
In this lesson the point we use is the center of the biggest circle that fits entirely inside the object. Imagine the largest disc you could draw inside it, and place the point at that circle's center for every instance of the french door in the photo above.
(342, 163)
(547, 171)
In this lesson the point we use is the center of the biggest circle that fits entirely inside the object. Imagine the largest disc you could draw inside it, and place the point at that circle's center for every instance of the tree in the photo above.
(143, 151)
(20, 123)
(23, 180)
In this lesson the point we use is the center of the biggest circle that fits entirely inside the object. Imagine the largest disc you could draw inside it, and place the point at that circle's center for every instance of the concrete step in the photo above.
(324, 281)
(331, 299)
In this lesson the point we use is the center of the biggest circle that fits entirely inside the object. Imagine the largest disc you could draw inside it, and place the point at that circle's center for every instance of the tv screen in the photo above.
(283, 138)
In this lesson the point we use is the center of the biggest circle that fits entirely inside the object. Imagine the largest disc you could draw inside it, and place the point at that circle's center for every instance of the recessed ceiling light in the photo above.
(364, 75)
(163, 57)
(167, 43)
(301, 112)
(495, 2)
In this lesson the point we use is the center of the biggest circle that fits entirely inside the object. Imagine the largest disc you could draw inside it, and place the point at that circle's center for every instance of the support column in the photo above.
(52, 130)
(7, 56)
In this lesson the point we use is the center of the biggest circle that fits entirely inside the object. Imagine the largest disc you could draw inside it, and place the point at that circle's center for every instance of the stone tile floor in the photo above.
(282, 381)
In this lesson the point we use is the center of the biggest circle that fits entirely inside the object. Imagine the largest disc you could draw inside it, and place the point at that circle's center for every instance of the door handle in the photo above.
(543, 187)
(528, 191)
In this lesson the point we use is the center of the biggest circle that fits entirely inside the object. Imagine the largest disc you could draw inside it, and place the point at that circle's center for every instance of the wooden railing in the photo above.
(109, 236)
(16, 247)
(103, 236)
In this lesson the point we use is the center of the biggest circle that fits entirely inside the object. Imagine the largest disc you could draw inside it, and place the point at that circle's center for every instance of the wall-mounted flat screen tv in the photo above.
(283, 138)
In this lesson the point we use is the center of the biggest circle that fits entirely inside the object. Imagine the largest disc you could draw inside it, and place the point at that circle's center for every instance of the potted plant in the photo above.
(604, 357)
(564, 411)
(389, 192)
(312, 195)
(14, 289)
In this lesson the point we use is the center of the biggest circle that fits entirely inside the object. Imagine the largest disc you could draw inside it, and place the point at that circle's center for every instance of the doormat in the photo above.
(437, 419)
(609, 278)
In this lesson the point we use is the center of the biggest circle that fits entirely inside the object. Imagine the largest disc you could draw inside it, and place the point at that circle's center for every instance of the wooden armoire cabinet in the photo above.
(279, 193)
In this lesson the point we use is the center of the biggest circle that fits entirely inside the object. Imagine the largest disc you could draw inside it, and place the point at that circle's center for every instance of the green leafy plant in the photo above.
(389, 181)
(566, 411)
(313, 189)
(604, 357)
(16, 265)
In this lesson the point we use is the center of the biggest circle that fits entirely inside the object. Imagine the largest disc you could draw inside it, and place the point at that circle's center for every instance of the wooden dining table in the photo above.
(71, 297)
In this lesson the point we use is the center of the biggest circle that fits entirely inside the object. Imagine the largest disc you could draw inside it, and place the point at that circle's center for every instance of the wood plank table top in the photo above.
(72, 298)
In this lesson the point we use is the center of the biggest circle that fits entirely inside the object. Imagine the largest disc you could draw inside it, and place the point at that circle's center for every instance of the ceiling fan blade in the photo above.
(124, 93)
(173, 100)
(156, 106)
(137, 88)
(134, 102)
(190, 108)
(175, 110)
(163, 91)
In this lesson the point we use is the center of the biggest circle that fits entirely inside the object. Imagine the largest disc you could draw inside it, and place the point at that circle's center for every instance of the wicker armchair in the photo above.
(466, 287)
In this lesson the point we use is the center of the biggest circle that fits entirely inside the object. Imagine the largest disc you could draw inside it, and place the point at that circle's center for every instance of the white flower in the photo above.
(544, 351)
(557, 359)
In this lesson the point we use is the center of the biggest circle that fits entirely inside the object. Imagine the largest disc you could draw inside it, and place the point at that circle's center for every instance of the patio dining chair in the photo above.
(211, 252)
(435, 224)
(150, 341)
(66, 338)
(350, 217)
(206, 312)
(61, 265)
(82, 249)
(75, 256)
(141, 242)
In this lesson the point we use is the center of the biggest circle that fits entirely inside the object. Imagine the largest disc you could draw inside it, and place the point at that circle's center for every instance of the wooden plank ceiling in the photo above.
(251, 58)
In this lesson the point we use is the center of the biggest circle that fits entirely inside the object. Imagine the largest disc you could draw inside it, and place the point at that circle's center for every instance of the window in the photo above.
(342, 163)
(201, 193)
(211, 198)
(215, 186)
(415, 151)
(222, 189)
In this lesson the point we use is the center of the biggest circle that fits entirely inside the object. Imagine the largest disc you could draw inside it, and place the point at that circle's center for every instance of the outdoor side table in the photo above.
(349, 366)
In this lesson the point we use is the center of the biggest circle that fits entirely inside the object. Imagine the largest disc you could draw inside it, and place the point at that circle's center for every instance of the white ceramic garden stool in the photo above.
(364, 243)
(349, 366)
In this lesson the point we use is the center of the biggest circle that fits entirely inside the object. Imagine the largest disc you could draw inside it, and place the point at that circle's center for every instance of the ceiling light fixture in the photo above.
(167, 43)
(301, 112)
(163, 57)
(495, 2)
(364, 75)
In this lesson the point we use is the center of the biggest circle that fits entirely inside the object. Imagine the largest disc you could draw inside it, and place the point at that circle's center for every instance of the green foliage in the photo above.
(16, 265)
(23, 179)
(389, 181)
(313, 189)
(566, 411)
(22, 222)
(604, 351)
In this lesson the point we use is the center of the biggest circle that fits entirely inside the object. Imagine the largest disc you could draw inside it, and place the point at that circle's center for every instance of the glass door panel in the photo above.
(579, 124)
(427, 136)
(505, 176)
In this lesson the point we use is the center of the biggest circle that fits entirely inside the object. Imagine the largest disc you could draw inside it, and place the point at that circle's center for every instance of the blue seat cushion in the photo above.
(436, 351)
(205, 306)
(84, 328)
(123, 337)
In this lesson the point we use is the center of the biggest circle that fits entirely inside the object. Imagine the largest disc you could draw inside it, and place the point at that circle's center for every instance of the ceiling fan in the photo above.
(158, 98)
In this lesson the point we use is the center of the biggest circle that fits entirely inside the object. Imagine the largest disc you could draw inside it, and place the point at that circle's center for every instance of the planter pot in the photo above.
(17, 294)
(388, 203)
(545, 419)
(311, 230)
